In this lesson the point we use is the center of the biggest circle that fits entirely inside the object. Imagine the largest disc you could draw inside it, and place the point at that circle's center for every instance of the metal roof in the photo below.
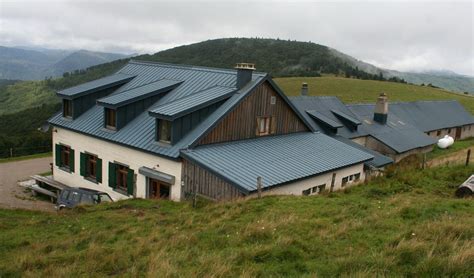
(397, 134)
(140, 132)
(326, 105)
(323, 119)
(277, 159)
(379, 160)
(138, 93)
(95, 85)
(432, 115)
(186, 105)
(346, 117)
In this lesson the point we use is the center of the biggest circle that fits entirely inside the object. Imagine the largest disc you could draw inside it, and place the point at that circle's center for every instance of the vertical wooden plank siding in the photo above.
(205, 183)
(241, 123)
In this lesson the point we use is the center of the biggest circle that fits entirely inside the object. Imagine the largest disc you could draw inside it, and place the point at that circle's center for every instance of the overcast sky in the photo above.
(401, 35)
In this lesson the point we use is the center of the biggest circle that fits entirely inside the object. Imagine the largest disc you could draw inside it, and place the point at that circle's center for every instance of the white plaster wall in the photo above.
(110, 152)
(296, 188)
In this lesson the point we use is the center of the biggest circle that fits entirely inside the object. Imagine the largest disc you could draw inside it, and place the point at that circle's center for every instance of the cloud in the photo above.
(399, 35)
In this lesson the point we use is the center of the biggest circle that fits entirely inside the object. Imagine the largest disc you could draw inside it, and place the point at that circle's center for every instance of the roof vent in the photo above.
(244, 74)
(381, 109)
(304, 89)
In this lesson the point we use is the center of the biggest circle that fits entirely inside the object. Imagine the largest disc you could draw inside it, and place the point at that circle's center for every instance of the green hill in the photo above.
(406, 225)
(351, 90)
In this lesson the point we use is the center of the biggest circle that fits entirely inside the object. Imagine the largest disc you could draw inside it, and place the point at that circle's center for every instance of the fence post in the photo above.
(259, 187)
(468, 157)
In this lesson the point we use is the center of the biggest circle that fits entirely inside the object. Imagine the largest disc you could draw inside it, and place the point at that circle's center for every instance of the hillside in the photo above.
(351, 90)
(407, 225)
(37, 64)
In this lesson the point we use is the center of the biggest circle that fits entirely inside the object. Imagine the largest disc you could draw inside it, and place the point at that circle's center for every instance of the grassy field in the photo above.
(25, 157)
(366, 91)
(457, 146)
(408, 224)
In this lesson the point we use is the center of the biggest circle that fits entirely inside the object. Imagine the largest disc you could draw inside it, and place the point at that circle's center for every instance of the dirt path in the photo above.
(12, 195)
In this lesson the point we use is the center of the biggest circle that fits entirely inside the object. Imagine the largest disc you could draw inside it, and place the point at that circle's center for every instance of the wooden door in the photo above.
(458, 133)
(158, 190)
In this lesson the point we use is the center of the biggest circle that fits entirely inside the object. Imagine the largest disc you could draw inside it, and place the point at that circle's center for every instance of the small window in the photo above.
(110, 118)
(91, 166)
(273, 100)
(357, 177)
(438, 133)
(318, 189)
(65, 156)
(306, 192)
(345, 181)
(67, 108)
(122, 172)
(449, 131)
(263, 126)
(164, 131)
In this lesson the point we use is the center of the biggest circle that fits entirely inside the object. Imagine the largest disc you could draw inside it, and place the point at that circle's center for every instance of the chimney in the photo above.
(304, 89)
(244, 74)
(381, 109)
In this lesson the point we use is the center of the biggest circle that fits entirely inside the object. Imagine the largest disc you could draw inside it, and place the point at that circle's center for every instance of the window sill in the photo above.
(93, 180)
(65, 169)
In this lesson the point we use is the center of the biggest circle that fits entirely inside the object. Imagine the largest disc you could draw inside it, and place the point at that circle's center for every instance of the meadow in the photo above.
(351, 90)
(405, 224)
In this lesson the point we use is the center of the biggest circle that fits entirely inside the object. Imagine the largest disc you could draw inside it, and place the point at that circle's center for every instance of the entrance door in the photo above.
(458, 133)
(158, 189)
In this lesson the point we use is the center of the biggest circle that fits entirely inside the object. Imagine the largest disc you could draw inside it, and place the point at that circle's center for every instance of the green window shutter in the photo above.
(71, 160)
(58, 155)
(112, 175)
(83, 164)
(130, 176)
(98, 170)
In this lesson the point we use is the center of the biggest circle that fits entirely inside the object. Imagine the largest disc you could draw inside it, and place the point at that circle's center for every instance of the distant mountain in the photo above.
(445, 79)
(38, 63)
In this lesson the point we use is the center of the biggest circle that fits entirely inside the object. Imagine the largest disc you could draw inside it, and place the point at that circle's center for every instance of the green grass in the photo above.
(457, 146)
(26, 157)
(408, 224)
(366, 91)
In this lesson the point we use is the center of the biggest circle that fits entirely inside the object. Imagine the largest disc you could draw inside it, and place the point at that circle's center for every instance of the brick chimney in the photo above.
(244, 74)
(304, 89)
(381, 109)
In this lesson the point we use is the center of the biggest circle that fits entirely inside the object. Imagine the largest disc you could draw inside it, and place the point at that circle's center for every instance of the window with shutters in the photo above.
(110, 119)
(64, 157)
(67, 108)
(264, 126)
(121, 174)
(91, 166)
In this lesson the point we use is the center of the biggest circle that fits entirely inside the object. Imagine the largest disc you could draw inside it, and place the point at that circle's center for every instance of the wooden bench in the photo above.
(47, 186)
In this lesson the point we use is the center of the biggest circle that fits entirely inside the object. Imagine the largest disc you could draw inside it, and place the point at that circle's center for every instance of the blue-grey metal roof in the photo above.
(277, 159)
(320, 117)
(96, 85)
(379, 160)
(326, 105)
(192, 103)
(139, 93)
(397, 134)
(140, 132)
(432, 115)
(346, 117)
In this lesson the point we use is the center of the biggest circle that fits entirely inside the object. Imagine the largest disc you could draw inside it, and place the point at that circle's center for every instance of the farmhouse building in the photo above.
(156, 130)
(396, 130)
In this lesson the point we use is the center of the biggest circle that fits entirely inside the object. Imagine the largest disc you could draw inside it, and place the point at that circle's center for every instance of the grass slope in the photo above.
(406, 225)
(366, 91)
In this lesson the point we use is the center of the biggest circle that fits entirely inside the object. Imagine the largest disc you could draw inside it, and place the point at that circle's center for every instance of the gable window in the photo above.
(264, 126)
(91, 167)
(67, 108)
(164, 131)
(64, 157)
(110, 118)
(273, 100)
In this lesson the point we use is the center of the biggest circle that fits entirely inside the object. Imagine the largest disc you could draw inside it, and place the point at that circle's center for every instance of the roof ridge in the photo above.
(143, 85)
(190, 67)
(194, 94)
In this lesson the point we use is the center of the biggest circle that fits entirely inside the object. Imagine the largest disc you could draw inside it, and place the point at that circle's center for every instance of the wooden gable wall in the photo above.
(241, 123)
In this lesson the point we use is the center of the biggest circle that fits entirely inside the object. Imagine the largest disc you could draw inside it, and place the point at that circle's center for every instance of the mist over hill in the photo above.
(38, 63)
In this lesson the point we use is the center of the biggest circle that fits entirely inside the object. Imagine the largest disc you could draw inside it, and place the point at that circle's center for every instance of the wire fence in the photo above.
(21, 151)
